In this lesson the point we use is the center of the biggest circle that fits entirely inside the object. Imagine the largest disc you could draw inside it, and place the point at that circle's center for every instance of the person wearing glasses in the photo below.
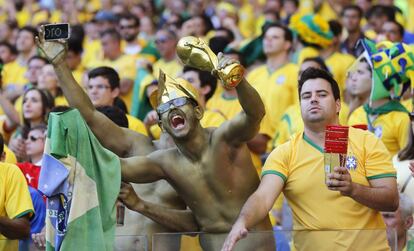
(102, 89)
(34, 145)
(210, 168)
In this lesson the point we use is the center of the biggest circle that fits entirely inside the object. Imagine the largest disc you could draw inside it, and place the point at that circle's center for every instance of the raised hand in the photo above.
(128, 196)
(54, 51)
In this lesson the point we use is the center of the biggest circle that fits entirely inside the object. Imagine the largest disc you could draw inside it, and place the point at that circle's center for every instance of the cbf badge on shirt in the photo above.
(281, 80)
(351, 162)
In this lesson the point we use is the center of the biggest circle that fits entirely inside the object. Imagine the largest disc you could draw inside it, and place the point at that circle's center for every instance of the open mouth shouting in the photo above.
(177, 121)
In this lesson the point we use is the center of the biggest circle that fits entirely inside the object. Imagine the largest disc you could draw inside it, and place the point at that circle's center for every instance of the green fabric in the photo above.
(150, 49)
(386, 108)
(284, 178)
(391, 64)
(140, 105)
(310, 142)
(253, 50)
(92, 228)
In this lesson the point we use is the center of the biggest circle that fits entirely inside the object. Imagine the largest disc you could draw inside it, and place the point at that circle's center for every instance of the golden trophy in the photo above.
(195, 52)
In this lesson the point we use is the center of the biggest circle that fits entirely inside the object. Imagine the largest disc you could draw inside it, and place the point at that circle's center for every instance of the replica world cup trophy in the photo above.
(195, 52)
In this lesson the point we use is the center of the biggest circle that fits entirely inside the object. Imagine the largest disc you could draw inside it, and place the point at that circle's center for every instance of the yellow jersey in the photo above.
(278, 90)
(392, 128)
(136, 125)
(300, 163)
(15, 200)
(291, 123)
(172, 68)
(13, 75)
(338, 64)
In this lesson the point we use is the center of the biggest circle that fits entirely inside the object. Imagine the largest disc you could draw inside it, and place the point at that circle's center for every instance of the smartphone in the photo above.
(57, 31)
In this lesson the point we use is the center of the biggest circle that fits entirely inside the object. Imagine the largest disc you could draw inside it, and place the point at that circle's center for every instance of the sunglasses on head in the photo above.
(178, 102)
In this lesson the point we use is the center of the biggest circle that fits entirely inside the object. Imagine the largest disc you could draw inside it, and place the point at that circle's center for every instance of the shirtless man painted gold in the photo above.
(210, 168)
(126, 143)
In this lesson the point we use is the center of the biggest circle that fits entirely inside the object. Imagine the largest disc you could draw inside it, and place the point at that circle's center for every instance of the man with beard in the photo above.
(210, 168)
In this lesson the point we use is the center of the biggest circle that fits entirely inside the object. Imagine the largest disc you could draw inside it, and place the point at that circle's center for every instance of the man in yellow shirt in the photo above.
(352, 196)
(15, 205)
(125, 65)
(276, 80)
(166, 42)
(13, 74)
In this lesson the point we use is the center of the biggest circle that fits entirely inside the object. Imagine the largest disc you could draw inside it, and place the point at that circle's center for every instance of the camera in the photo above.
(57, 31)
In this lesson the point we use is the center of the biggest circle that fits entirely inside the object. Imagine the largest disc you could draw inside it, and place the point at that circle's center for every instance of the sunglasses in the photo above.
(34, 139)
(178, 102)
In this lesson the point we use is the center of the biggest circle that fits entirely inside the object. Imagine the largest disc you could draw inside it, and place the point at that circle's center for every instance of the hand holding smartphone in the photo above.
(56, 31)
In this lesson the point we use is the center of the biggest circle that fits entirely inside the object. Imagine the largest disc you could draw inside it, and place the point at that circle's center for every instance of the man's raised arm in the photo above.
(120, 140)
(246, 124)
(180, 220)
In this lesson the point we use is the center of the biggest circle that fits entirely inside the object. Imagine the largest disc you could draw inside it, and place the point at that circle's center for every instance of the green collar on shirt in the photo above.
(392, 105)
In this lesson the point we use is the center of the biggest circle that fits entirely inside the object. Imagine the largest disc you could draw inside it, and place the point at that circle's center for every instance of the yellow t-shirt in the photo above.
(227, 106)
(10, 156)
(136, 125)
(408, 104)
(391, 128)
(13, 75)
(92, 51)
(338, 64)
(300, 163)
(292, 123)
(307, 52)
(15, 200)
(278, 90)
(172, 68)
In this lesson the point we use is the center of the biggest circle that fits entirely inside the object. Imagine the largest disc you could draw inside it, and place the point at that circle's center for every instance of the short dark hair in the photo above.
(288, 33)
(114, 34)
(314, 73)
(115, 114)
(108, 73)
(30, 29)
(205, 79)
(352, 7)
(317, 60)
(401, 29)
(75, 46)
(230, 34)
(335, 27)
(381, 10)
(129, 16)
(11, 47)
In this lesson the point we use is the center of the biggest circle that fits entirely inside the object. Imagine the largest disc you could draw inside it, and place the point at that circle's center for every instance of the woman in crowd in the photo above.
(36, 106)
